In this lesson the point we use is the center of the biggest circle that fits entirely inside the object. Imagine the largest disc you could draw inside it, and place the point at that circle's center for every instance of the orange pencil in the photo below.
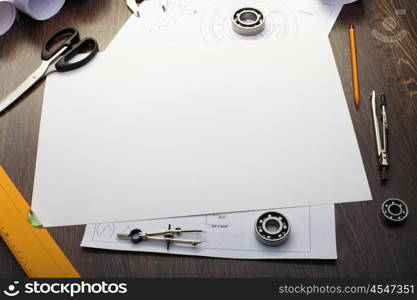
(354, 59)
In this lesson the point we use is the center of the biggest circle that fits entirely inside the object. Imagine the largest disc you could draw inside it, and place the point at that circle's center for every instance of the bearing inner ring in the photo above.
(248, 21)
(394, 209)
(272, 228)
(248, 18)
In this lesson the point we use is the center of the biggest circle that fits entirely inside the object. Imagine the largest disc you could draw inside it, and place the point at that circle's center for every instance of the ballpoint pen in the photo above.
(381, 146)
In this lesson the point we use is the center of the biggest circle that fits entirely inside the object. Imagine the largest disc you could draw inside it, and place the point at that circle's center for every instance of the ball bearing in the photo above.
(272, 228)
(248, 21)
(394, 210)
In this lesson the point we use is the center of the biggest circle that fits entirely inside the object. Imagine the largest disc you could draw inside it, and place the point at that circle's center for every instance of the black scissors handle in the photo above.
(69, 38)
(89, 45)
(63, 38)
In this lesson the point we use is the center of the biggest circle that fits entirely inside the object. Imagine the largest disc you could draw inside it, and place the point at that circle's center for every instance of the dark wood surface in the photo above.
(366, 246)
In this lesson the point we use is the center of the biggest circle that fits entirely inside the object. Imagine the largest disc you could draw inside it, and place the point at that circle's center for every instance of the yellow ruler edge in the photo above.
(35, 249)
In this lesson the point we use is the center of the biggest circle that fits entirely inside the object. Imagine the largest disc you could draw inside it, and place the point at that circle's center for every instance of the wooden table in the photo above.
(366, 246)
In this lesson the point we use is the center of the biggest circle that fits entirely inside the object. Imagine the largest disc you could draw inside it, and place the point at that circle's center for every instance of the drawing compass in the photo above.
(381, 142)
(168, 236)
(134, 5)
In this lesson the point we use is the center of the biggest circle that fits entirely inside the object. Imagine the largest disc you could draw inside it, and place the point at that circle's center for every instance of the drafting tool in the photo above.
(354, 60)
(35, 250)
(381, 146)
(136, 236)
(248, 21)
(272, 228)
(394, 210)
(56, 55)
(134, 6)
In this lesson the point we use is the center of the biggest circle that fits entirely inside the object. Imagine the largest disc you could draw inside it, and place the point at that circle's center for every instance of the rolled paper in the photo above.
(39, 9)
(7, 15)
(337, 1)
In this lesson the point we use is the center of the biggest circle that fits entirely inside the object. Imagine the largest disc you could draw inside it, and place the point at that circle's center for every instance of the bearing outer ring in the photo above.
(272, 237)
(248, 21)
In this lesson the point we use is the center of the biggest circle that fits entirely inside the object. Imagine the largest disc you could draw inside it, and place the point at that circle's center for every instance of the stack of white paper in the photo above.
(156, 145)
(196, 129)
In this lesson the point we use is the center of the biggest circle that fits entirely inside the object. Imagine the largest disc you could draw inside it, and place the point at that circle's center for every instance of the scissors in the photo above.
(56, 55)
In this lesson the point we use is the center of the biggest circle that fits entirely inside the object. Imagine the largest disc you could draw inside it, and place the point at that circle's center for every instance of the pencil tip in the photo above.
(351, 26)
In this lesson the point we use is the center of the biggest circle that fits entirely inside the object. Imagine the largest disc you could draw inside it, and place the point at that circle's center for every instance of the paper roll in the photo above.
(39, 9)
(7, 15)
(330, 2)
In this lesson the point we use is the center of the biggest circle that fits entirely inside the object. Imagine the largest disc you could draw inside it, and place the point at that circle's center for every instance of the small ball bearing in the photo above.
(248, 21)
(272, 228)
(394, 210)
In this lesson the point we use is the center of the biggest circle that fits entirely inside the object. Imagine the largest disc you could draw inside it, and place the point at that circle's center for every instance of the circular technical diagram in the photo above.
(279, 20)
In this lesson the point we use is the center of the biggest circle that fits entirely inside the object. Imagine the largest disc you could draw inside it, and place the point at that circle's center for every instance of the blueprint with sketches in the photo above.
(230, 235)
(210, 21)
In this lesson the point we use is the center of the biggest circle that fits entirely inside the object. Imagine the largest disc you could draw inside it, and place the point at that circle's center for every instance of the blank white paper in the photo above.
(231, 235)
(196, 129)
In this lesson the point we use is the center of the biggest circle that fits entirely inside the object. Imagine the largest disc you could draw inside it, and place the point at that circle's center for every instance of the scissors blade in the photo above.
(24, 86)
